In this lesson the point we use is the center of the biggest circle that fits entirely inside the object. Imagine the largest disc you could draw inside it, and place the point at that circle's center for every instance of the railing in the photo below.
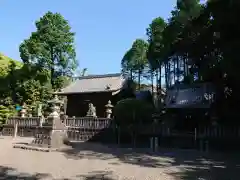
(88, 122)
(78, 128)
(218, 132)
(24, 121)
(85, 128)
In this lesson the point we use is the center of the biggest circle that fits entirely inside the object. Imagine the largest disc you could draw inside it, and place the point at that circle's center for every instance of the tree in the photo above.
(135, 60)
(139, 56)
(165, 35)
(154, 33)
(183, 13)
(127, 65)
(154, 52)
(210, 49)
(129, 113)
(133, 111)
(25, 84)
(51, 47)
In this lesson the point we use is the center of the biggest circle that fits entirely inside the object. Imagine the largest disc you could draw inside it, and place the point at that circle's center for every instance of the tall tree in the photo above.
(154, 53)
(212, 52)
(139, 55)
(127, 65)
(51, 47)
(184, 11)
(134, 60)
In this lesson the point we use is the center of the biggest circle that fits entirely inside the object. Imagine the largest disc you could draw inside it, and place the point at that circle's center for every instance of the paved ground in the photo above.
(95, 162)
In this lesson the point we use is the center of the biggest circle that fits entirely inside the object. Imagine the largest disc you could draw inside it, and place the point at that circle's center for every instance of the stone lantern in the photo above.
(109, 107)
(23, 111)
(56, 104)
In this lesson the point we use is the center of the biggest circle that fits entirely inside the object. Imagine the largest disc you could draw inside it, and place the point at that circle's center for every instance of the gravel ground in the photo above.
(95, 162)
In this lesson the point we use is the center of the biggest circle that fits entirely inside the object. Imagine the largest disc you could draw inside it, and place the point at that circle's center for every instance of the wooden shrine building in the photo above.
(95, 89)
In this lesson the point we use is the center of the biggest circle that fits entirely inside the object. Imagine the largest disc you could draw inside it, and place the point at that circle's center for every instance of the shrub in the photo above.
(130, 111)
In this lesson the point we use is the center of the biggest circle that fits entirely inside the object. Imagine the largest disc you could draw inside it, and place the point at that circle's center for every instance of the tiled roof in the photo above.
(95, 83)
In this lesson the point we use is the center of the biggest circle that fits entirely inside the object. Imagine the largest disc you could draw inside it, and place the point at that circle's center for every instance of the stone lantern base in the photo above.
(51, 136)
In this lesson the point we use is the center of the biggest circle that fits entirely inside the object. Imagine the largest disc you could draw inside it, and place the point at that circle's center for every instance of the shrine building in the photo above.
(95, 89)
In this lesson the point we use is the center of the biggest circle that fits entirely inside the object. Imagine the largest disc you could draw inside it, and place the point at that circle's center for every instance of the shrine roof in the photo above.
(95, 83)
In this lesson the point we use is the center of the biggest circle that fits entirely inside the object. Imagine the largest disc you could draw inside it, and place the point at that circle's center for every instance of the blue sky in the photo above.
(104, 29)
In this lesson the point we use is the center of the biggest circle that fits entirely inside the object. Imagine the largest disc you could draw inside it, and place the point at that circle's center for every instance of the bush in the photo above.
(5, 112)
(131, 111)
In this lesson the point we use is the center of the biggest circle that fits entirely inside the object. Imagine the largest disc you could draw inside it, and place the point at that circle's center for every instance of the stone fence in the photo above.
(24, 121)
(78, 128)
(87, 122)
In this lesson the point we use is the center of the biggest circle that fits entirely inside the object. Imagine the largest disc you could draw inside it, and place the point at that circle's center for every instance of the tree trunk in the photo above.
(166, 74)
(152, 80)
(139, 79)
(157, 79)
(131, 74)
(178, 70)
(174, 69)
(169, 73)
(52, 68)
(160, 77)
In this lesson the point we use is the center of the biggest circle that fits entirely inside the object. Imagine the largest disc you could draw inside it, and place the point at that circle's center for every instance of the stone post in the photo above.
(155, 139)
(65, 119)
(109, 107)
(15, 129)
(39, 110)
(41, 121)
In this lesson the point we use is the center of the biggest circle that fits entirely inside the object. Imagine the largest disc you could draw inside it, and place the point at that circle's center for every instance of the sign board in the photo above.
(200, 96)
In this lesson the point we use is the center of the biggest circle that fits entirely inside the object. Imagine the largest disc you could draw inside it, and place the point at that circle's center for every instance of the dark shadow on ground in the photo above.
(21, 143)
(87, 150)
(182, 164)
(98, 175)
(8, 173)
